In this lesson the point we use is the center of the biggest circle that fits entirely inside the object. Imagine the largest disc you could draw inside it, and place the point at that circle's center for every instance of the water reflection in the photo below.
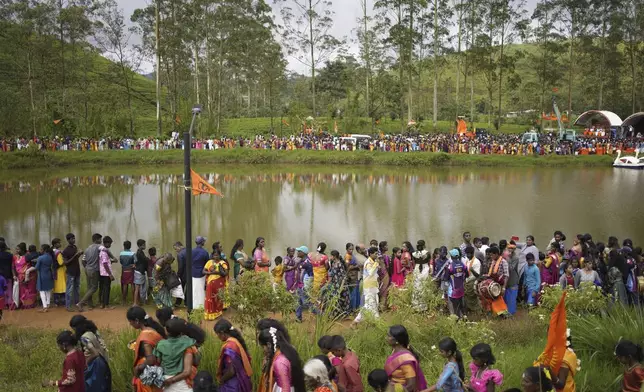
(293, 208)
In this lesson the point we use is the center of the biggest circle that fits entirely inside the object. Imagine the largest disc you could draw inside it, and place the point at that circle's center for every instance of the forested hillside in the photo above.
(70, 67)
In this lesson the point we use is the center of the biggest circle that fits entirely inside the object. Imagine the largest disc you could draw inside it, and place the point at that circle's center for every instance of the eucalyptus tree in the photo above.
(306, 34)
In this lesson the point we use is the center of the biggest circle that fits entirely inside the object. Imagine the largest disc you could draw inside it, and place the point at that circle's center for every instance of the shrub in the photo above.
(250, 300)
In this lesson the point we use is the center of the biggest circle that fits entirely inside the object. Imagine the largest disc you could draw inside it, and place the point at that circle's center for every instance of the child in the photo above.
(456, 273)
(483, 378)
(73, 365)
(204, 382)
(278, 272)
(453, 372)
(630, 355)
(106, 276)
(575, 266)
(151, 263)
(349, 370)
(126, 258)
(532, 280)
(176, 356)
(379, 381)
(396, 268)
(568, 278)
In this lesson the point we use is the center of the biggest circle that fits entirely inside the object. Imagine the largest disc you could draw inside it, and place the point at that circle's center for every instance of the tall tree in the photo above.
(307, 37)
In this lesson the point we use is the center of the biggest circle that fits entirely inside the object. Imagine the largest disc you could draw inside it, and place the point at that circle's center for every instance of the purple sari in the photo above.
(289, 276)
(396, 360)
(241, 381)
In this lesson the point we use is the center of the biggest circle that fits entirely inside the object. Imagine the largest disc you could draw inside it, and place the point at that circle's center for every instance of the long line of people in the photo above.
(507, 144)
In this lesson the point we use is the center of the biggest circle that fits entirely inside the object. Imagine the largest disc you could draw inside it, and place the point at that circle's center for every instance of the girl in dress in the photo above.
(282, 370)
(73, 365)
(630, 355)
(483, 378)
(451, 379)
(396, 268)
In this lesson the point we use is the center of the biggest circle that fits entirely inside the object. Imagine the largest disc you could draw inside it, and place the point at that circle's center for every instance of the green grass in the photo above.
(515, 343)
(36, 160)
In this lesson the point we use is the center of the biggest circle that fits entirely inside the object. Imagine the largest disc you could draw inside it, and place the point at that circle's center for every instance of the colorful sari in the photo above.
(28, 290)
(233, 356)
(289, 276)
(151, 337)
(214, 306)
(403, 365)
(260, 255)
(278, 377)
(336, 292)
(319, 261)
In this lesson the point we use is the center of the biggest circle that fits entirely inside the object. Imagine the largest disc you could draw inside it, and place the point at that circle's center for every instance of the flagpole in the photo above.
(187, 143)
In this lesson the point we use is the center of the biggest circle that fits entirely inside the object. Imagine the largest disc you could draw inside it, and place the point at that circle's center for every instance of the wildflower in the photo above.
(502, 352)
(433, 347)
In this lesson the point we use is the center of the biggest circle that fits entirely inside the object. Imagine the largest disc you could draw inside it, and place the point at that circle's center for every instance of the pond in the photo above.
(292, 206)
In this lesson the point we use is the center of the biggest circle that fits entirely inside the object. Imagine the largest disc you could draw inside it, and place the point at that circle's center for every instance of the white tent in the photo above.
(607, 118)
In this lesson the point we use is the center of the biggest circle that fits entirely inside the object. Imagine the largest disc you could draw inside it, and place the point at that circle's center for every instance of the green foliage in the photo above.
(250, 299)
(588, 300)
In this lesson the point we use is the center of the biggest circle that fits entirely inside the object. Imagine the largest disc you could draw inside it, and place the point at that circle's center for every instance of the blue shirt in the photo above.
(532, 277)
(126, 258)
(199, 259)
(449, 380)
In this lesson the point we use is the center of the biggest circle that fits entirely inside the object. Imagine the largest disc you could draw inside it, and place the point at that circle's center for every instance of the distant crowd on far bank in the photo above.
(500, 144)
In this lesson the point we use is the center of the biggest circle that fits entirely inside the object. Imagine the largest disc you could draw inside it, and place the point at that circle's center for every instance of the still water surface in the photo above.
(305, 205)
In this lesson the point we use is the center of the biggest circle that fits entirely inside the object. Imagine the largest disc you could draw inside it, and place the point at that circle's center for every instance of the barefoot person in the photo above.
(91, 264)
(126, 259)
(45, 269)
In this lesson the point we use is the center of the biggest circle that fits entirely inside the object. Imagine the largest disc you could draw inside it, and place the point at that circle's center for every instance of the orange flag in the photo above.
(556, 345)
(201, 186)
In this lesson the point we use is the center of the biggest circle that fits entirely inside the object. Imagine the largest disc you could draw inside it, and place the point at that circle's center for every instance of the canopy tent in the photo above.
(599, 118)
(637, 121)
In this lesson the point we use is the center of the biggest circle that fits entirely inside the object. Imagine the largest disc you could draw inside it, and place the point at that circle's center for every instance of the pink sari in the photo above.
(396, 360)
(397, 277)
(28, 292)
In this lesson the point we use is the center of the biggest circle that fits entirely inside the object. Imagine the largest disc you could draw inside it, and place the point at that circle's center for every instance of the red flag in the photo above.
(556, 346)
(201, 186)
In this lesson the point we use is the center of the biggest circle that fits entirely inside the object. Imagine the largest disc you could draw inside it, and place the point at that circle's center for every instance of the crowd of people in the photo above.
(508, 144)
(475, 276)
(168, 354)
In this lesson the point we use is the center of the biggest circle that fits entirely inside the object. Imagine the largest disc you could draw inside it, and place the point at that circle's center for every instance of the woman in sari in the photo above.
(151, 333)
(290, 267)
(26, 278)
(282, 369)
(234, 369)
(216, 271)
(550, 266)
(239, 257)
(98, 376)
(403, 366)
(320, 266)
(167, 284)
(336, 292)
(262, 261)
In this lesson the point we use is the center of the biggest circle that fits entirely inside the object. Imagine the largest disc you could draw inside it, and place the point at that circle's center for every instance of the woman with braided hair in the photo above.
(282, 370)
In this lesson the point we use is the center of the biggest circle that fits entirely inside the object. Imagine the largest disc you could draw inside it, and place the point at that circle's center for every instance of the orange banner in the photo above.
(553, 354)
(201, 186)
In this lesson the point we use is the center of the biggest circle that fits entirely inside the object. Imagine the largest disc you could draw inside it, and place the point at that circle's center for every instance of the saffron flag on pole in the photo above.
(556, 345)
(201, 186)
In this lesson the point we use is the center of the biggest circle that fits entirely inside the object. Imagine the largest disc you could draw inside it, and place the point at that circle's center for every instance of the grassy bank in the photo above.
(36, 160)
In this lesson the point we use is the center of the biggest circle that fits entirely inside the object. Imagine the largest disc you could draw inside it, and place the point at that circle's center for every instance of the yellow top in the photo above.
(278, 273)
(211, 266)
(570, 362)
(60, 284)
